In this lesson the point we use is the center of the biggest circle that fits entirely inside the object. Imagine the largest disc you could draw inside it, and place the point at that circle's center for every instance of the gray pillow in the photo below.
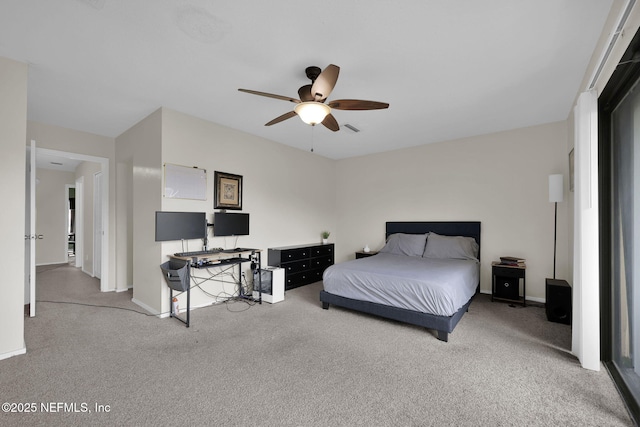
(450, 247)
(405, 244)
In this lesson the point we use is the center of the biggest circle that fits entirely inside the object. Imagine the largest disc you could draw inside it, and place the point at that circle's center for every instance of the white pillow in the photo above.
(450, 247)
(405, 244)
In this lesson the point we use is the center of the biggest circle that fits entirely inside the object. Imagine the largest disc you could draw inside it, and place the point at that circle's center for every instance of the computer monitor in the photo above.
(230, 224)
(180, 226)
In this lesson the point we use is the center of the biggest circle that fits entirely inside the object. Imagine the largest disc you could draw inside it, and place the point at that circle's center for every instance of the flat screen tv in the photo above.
(180, 226)
(230, 224)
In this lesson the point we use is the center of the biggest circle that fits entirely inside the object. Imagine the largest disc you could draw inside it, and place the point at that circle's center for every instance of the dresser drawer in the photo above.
(507, 271)
(322, 250)
(294, 254)
(316, 274)
(296, 266)
(322, 262)
(299, 279)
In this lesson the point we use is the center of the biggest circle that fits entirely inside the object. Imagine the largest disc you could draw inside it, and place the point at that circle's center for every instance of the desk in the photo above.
(223, 260)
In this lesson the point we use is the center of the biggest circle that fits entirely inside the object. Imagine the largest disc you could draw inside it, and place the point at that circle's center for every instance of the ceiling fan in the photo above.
(311, 106)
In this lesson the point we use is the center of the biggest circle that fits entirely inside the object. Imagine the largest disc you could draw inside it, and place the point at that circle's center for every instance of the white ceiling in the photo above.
(448, 69)
(56, 162)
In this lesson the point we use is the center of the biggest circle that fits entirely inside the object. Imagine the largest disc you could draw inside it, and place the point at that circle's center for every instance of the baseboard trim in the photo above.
(18, 352)
(166, 314)
(146, 307)
(42, 264)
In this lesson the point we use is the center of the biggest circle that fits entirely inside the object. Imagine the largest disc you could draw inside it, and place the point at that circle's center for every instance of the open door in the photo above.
(97, 225)
(30, 230)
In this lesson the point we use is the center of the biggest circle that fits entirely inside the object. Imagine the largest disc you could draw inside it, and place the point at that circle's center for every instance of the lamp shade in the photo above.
(556, 190)
(312, 112)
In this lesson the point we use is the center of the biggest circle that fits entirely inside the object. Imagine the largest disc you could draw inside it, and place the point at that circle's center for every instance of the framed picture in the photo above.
(571, 170)
(227, 191)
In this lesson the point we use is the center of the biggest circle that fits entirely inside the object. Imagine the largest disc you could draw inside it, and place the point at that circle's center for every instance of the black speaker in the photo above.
(558, 305)
(507, 287)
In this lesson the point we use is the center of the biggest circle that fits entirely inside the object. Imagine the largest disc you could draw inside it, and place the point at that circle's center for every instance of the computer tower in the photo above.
(272, 284)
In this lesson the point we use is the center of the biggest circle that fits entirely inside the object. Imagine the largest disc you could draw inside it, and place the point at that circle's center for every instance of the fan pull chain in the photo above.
(312, 136)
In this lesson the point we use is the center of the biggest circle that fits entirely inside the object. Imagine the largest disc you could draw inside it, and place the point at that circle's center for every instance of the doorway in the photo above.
(74, 224)
(79, 221)
(70, 223)
(97, 224)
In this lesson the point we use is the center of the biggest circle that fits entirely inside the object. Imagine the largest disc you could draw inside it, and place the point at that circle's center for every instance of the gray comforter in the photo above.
(434, 286)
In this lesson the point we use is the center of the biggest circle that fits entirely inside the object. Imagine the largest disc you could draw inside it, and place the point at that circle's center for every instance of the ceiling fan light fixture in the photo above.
(312, 112)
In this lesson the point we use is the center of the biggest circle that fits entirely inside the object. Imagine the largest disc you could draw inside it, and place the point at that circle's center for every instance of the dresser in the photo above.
(302, 264)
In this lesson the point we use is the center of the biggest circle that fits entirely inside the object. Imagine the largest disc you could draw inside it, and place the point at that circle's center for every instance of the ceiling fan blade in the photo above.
(331, 123)
(281, 118)
(271, 95)
(357, 104)
(305, 93)
(325, 82)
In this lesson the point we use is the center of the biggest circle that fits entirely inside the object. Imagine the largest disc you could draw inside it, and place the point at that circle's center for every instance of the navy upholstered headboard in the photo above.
(444, 228)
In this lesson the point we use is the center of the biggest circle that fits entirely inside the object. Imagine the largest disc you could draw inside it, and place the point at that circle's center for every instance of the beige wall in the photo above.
(139, 169)
(499, 179)
(124, 221)
(289, 193)
(52, 215)
(13, 124)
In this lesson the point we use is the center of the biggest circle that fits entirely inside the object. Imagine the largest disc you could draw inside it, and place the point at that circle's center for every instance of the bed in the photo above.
(426, 275)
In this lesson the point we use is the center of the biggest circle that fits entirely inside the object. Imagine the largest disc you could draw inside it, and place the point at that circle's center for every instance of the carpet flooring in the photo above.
(97, 359)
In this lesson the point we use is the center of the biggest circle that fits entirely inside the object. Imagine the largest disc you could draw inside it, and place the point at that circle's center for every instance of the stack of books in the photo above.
(512, 261)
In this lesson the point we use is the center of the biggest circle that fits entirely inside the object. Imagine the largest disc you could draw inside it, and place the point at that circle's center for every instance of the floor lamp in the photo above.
(556, 194)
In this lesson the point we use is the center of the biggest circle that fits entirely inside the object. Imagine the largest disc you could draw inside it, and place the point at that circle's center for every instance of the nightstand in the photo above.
(506, 283)
(363, 254)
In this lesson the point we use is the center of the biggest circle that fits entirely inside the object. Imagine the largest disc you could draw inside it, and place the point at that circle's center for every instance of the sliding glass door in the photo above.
(619, 110)
(625, 238)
